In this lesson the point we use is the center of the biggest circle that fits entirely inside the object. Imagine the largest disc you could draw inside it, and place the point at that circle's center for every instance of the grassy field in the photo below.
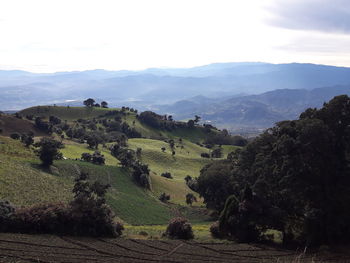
(186, 161)
(73, 150)
(130, 202)
(64, 113)
(23, 182)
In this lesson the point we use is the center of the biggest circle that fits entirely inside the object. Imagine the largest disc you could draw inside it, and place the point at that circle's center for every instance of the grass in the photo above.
(201, 232)
(187, 161)
(21, 180)
(65, 113)
(130, 202)
(73, 150)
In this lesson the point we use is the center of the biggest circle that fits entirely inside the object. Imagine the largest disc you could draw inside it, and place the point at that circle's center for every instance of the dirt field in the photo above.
(47, 248)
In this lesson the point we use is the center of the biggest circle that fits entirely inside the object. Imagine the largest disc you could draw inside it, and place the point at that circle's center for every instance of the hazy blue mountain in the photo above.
(253, 111)
(146, 88)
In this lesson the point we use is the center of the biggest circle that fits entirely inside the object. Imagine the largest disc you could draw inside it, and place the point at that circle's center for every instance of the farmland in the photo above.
(47, 248)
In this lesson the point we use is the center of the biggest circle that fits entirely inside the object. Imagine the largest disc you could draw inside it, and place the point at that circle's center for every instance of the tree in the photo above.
(190, 198)
(164, 197)
(190, 124)
(98, 158)
(48, 150)
(104, 104)
(89, 102)
(196, 118)
(27, 139)
(86, 157)
(179, 228)
(216, 153)
(214, 184)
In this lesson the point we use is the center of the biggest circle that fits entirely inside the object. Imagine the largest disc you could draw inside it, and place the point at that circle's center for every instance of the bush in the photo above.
(6, 212)
(164, 197)
(179, 228)
(167, 175)
(205, 155)
(15, 136)
(215, 230)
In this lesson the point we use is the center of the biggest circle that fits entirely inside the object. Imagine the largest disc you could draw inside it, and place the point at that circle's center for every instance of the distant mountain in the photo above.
(254, 111)
(146, 88)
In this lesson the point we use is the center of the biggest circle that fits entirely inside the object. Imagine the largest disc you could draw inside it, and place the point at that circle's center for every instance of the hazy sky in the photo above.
(57, 35)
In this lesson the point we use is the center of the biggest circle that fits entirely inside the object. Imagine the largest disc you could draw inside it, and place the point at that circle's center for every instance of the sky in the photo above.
(66, 35)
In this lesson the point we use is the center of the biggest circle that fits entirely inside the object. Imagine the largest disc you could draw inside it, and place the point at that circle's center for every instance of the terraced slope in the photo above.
(46, 248)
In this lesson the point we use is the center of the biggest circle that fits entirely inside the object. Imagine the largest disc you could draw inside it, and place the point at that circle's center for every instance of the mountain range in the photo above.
(229, 94)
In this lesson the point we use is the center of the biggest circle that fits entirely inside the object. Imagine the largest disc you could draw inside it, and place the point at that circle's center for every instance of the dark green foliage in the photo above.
(223, 138)
(89, 211)
(167, 175)
(299, 173)
(190, 124)
(15, 136)
(6, 213)
(214, 184)
(98, 158)
(43, 125)
(89, 102)
(86, 157)
(54, 120)
(179, 228)
(205, 155)
(27, 139)
(216, 153)
(191, 183)
(140, 174)
(86, 215)
(164, 197)
(48, 150)
(104, 104)
(215, 230)
(190, 198)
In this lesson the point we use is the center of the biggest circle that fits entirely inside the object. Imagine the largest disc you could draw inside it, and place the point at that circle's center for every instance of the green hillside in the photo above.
(186, 161)
(23, 183)
(131, 203)
(64, 113)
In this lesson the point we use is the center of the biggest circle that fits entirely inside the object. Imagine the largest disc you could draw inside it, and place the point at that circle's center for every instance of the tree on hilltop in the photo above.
(89, 102)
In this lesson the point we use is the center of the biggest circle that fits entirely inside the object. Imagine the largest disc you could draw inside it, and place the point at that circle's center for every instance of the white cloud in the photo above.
(54, 35)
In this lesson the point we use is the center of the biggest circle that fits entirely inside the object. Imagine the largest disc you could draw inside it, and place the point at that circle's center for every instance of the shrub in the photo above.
(215, 230)
(179, 228)
(190, 198)
(205, 155)
(86, 157)
(6, 212)
(167, 175)
(98, 158)
(15, 136)
(164, 197)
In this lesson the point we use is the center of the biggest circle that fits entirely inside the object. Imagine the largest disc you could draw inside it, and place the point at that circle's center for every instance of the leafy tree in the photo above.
(48, 150)
(27, 139)
(104, 104)
(98, 158)
(179, 228)
(15, 136)
(167, 175)
(164, 197)
(190, 124)
(86, 157)
(190, 198)
(89, 102)
(196, 118)
(214, 184)
(216, 153)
